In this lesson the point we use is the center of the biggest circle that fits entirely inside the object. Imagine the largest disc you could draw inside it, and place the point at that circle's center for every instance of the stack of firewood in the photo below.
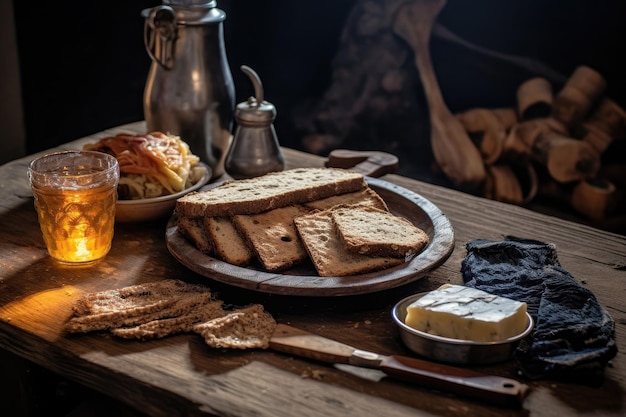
(553, 144)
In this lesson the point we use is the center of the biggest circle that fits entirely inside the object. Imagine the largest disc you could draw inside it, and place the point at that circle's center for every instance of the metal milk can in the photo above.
(189, 91)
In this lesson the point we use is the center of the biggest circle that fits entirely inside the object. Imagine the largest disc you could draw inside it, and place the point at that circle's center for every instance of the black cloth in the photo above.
(574, 336)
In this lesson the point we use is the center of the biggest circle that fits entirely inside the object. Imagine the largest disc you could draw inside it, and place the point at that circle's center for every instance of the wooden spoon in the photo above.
(452, 148)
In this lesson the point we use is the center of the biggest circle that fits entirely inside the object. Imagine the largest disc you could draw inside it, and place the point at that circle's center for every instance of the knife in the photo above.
(460, 381)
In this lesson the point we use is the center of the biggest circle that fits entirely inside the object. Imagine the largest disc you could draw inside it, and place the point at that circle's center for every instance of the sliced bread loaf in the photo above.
(371, 231)
(366, 196)
(229, 245)
(270, 191)
(273, 237)
(327, 251)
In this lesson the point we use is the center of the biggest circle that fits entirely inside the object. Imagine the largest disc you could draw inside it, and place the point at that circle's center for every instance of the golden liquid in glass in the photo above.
(77, 225)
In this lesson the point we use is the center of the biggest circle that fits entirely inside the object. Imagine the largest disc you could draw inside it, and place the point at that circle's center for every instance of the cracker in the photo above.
(245, 328)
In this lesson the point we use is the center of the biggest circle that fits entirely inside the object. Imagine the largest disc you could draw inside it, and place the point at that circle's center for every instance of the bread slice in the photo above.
(273, 237)
(371, 231)
(270, 191)
(366, 196)
(327, 251)
(167, 326)
(194, 229)
(134, 305)
(138, 298)
(245, 328)
(229, 245)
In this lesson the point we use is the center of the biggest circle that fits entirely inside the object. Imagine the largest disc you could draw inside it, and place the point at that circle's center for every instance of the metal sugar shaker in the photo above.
(190, 90)
(255, 150)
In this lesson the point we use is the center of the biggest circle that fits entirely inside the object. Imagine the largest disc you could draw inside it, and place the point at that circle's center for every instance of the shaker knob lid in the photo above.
(255, 109)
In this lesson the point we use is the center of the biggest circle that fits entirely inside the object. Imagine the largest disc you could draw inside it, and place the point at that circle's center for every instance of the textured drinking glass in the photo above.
(75, 194)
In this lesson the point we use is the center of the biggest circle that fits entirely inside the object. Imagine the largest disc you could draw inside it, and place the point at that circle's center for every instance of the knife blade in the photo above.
(456, 380)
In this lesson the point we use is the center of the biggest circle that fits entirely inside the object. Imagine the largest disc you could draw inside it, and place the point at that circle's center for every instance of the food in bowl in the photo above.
(453, 350)
(466, 313)
(152, 165)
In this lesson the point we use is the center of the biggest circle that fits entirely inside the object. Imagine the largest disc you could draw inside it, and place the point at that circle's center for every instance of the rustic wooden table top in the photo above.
(180, 375)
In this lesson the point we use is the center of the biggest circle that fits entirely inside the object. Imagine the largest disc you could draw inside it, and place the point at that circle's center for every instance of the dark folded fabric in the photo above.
(574, 336)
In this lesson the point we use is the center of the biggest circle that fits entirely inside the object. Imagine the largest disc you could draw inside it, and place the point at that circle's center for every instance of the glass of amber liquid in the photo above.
(75, 194)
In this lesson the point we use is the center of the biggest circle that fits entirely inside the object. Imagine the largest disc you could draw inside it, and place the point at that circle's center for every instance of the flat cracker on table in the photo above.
(245, 328)
(172, 325)
(163, 308)
(135, 305)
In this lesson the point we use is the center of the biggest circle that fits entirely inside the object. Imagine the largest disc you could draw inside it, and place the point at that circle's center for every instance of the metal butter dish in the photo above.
(453, 350)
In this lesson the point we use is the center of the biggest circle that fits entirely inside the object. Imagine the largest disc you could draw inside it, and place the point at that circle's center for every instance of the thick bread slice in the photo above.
(270, 191)
(245, 328)
(327, 251)
(365, 196)
(194, 229)
(371, 231)
(273, 236)
(229, 245)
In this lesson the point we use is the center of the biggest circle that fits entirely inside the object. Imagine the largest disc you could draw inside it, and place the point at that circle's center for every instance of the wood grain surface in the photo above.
(181, 375)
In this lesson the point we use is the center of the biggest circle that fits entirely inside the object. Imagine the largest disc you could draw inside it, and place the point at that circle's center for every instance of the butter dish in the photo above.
(456, 351)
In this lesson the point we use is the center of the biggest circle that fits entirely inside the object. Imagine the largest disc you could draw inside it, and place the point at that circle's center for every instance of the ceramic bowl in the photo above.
(147, 209)
(455, 351)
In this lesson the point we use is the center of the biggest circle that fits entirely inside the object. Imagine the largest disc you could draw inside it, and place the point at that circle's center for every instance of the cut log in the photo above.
(513, 183)
(596, 136)
(566, 159)
(486, 131)
(522, 137)
(581, 91)
(507, 117)
(534, 99)
(594, 198)
(502, 185)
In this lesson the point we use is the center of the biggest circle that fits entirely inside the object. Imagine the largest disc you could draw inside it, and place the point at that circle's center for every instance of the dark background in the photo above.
(83, 64)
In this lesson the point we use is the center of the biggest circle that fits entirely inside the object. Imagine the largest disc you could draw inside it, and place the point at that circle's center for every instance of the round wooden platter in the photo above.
(303, 279)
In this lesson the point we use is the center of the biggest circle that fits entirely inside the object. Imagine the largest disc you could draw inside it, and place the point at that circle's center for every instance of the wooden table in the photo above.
(180, 375)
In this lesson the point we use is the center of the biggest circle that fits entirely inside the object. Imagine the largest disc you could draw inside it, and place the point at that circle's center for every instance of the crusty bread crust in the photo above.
(370, 231)
(270, 191)
(365, 196)
(194, 229)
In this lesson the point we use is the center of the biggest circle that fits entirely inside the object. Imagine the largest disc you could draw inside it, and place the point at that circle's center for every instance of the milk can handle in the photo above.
(159, 35)
(256, 82)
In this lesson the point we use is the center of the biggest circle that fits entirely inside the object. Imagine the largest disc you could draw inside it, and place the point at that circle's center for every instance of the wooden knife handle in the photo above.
(462, 381)
(369, 163)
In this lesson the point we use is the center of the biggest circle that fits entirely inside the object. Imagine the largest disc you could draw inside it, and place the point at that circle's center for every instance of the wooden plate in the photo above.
(304, 281)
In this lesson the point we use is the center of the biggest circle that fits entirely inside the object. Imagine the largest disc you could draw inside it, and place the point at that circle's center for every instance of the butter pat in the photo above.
(459, 312)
